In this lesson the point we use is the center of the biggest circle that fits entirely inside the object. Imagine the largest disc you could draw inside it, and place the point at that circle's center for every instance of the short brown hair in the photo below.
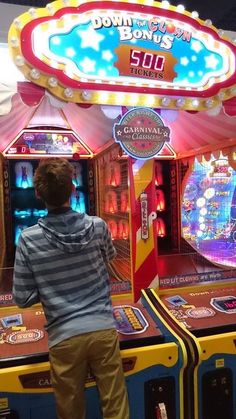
(53, 180)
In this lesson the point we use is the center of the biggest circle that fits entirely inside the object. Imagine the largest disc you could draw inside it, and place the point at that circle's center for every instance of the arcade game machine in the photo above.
(202, 303)
(154, 357)
(20, 160)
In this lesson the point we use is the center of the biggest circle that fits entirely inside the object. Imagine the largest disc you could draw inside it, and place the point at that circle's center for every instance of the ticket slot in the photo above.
(160, 398)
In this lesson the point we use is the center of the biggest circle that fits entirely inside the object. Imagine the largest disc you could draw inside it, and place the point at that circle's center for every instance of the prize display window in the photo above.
(114, 208)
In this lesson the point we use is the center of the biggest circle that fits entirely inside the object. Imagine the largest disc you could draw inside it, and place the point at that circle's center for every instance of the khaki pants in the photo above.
(70, 360)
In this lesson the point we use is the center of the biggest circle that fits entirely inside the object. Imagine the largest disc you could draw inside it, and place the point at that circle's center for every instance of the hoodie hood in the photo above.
(69, 231)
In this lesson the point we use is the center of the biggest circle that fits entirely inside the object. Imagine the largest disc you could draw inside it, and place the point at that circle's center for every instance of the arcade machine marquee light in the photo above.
(47, 143)
(147, 54)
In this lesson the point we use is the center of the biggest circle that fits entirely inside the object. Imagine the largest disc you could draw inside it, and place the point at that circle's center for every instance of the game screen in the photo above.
(47, 142)
(26, 209)
(208, 210)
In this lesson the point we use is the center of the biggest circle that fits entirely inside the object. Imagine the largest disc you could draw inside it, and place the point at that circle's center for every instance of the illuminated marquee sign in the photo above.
(44, 143)
(103, 51)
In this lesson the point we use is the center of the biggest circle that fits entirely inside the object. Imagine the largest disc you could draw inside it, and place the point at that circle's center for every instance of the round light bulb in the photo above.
(195, 14)
(68, 92)
(209, 103)
(14, 42)
(32, 12)
(35, 74)
(195, 103)
(86, 95)
(208, 22)
(17, 23)
(165, 101)
(50, 8)
(52, 81)
(220, 32)
(19, 60)
(165, 4)
(180, 8)
(180, 102)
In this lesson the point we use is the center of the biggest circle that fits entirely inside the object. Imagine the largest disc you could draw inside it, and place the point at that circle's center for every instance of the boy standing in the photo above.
(61, 262)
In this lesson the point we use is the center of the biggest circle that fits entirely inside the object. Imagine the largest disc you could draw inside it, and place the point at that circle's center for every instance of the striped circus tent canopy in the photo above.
(26, 105)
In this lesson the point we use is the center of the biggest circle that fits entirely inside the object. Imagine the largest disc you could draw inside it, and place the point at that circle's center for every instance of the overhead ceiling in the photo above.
(222, 14)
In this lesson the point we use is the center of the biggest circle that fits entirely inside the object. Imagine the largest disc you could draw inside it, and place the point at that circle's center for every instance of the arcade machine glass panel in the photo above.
(209, 210)
(25, 208)
(112, 171)
(165, 211)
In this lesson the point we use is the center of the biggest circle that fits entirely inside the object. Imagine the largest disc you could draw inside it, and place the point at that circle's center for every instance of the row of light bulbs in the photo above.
(164, 4)
(87, 95)
(149, 100)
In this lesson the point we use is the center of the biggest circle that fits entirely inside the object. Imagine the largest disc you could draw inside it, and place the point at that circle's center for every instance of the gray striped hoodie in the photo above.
(61, 262)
